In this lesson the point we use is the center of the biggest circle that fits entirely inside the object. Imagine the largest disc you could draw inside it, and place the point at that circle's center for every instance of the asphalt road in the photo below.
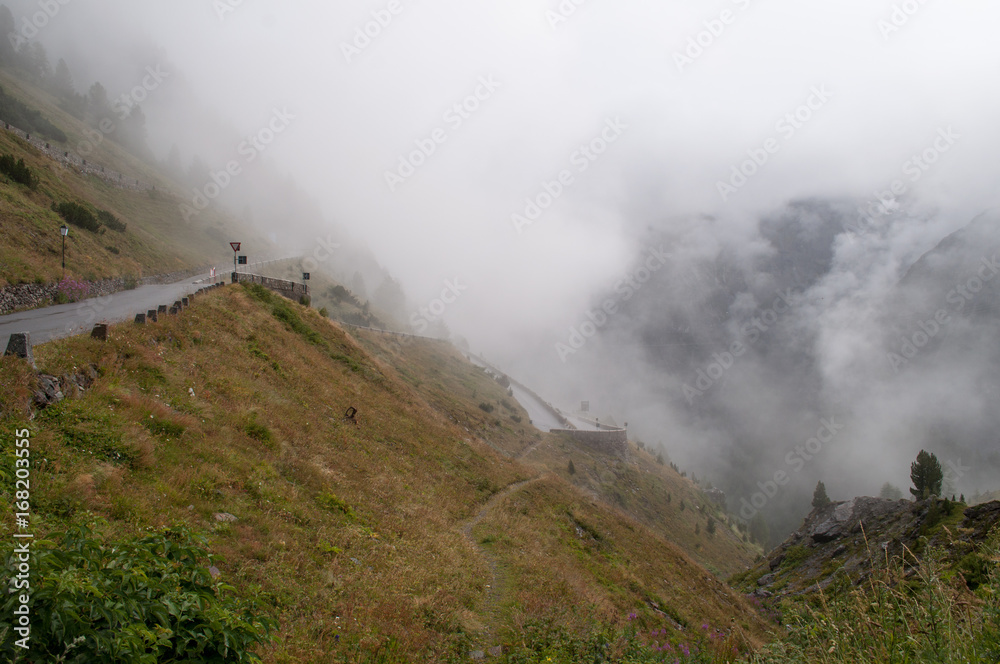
(541, 413)
(66, 320)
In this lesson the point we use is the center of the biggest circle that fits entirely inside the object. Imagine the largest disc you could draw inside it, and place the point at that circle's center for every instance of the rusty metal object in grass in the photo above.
(351, 416)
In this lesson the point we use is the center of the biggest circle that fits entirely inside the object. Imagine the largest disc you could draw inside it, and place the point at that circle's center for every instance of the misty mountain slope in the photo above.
(156, 239)
(351, 529)
(168, 229)
(750, 342)
(654, 494)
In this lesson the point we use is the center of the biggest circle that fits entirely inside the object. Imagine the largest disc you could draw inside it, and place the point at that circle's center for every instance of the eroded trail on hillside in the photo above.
(497, 585)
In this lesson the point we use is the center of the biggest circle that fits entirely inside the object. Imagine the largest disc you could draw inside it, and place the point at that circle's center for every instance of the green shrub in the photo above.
(151, 599)
(164, 428)
(331, 503)
(259, 432)
(90, 432)
(111, 221)
(18, 171)
(78, 215)
(29, 119)
(975, 569)
(486, 407)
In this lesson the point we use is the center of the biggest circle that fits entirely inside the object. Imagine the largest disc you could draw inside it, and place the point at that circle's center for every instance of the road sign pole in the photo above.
(236, 251)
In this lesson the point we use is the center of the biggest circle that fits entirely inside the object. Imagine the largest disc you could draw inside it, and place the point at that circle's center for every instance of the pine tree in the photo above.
(890, 492)
(62, 81)
(926, 475)
(820, 499)
(711, 526)
(572, 468)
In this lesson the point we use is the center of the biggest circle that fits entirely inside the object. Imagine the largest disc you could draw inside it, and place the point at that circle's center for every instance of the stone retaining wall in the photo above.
(613, 441)
(80, 164)
(31, 296)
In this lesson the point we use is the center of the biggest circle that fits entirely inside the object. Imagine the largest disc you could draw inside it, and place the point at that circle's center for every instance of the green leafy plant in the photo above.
(145, 600)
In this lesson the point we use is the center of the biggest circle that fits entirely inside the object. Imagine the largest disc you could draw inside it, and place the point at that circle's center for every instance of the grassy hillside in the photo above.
(652, 493)
(410, 534)
(153, 242)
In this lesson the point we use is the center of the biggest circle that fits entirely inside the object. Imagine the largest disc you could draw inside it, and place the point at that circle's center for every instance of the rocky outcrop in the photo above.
(850, 516)
(53, 389)
(843, 540)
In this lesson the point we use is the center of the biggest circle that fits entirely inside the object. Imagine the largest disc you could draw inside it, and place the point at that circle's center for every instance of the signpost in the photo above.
(236, 250)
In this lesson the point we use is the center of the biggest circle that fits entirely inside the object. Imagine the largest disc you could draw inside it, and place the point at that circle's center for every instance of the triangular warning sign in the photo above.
(235, 245)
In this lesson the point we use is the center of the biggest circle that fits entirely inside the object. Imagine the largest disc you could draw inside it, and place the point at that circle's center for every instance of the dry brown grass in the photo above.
(353, 532)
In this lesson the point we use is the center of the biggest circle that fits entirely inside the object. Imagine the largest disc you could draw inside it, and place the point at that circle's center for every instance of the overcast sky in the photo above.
(690, 114)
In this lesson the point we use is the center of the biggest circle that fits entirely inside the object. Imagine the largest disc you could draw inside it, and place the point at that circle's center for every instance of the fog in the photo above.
(831, 103)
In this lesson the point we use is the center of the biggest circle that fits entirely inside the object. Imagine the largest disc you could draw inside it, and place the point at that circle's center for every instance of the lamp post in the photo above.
(64, 230)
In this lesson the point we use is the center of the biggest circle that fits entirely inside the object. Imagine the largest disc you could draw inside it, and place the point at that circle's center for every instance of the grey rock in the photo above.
(834, 526)
(48, 392)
